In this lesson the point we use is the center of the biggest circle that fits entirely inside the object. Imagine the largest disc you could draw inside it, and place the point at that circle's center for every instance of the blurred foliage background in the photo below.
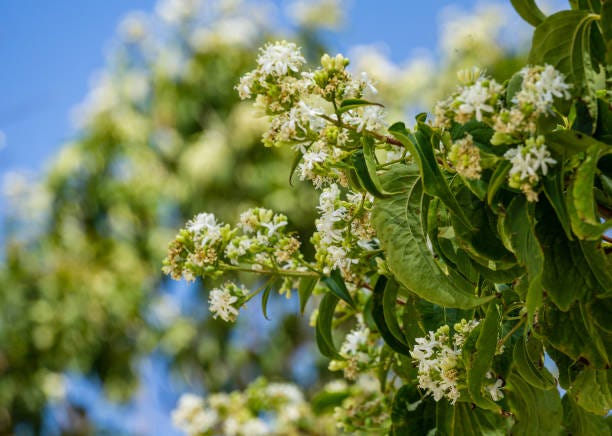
(162, 137)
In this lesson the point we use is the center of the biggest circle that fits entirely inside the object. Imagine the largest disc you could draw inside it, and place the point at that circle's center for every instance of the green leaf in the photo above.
(498, 179)
(606, 28)
(537, 412)
(482, 241)
(336, 285)
(579, 422)
(570, 142)
(398, 226)
(553, 189)
(601, 267)
(354, 103)
(558, 41)
(592, 390)
(411, 414)
(529, 11)
(326, 401)
(384, 313)
(463, 419)
(528, 355)
(364, 162)
(324, 326)
(264, 298)
(434, 182)
(518, 226)
(576, 334)
(478, 360)
(294, 164)
(305, 288)
(581, 199)
(567, 275)
(514, 86)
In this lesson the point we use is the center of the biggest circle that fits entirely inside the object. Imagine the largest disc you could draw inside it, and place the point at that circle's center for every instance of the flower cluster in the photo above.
(344, 232)
(514, 123)
(441, 371)
(225, 302)
(306, 108)
(477, 98)
(263, 408)
(366, 408)
(529, 162)
(260, 243)
(206, 247)
(539, 87)
(360, 349)
(465, 157)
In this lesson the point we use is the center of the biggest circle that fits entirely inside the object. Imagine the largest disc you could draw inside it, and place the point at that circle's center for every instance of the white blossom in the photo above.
(474, 100)
(279, 57)
(192, 416)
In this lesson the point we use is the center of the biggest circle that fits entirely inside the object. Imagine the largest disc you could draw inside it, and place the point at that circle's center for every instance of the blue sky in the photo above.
(51, 49)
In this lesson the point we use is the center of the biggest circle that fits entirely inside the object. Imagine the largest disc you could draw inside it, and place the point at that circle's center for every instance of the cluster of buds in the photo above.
(305, 108)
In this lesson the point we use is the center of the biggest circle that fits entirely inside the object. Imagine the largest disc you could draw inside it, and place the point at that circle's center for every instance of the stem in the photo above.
(382, 138)
(288, 273)
(511, 332)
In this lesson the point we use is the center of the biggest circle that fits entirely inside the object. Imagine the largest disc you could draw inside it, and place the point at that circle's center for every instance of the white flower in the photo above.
(522, 163)
(202, 221)
(474, 100)
(192, 417)
(495, 390)
(255, 427)
(279, 57)
(354, 340)
(541, 158)
(221, 301)
(273, 226)
(372, 119)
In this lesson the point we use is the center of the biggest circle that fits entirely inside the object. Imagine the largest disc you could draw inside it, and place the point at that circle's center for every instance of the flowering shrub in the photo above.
(489, 217)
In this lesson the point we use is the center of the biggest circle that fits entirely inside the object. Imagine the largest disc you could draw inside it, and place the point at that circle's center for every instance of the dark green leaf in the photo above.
(581, 199)
(398, 225)
(518, 226)
(294, 164)
(324, 326)
(481, 241)
(529, 11)
(579, 422)
(434, 182)
(478, 360)
(553, 189)
(364, 162)
(528, 362)
(567, 275)
(264, 298)
(537, 412)
(411, 414)
(575, 334)
(336, 285)
(499, 177)
(384, 314)
(592, 390)
(305, 288)
(563, 41)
